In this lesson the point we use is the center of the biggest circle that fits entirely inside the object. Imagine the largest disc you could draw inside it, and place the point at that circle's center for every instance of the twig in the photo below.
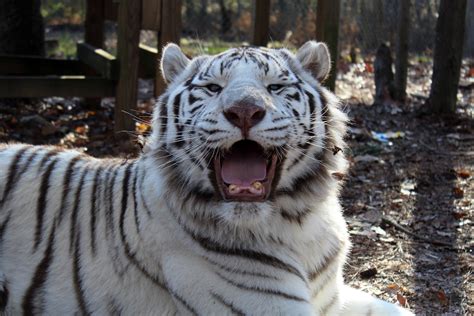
(390, 221)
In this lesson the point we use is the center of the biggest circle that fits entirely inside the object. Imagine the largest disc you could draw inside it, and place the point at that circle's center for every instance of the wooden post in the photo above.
(94, 35)
(94, 23)
(447, 55)
(327, 30)
(261, 22)
(129, 23)
(169, 32)
(401, 60)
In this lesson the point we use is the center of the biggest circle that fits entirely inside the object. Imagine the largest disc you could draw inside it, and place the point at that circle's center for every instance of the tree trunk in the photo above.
(226, 22)
(21, 27)
(261, 22)
(383, 75)
(327, 30)
(401, 61)
(447, 56)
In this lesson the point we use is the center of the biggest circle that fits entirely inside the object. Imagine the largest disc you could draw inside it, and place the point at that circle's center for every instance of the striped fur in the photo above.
(153, 236)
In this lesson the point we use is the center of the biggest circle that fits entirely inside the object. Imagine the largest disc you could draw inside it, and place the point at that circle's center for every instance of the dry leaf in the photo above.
(401, 300)
(458, 193)
(369, 67)
(393, 287)
(459, 215)
(463, 174)
(81, 129)
(142, 127)
(442, 297)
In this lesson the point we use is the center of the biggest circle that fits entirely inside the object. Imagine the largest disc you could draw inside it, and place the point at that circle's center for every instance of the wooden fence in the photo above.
(97, 73)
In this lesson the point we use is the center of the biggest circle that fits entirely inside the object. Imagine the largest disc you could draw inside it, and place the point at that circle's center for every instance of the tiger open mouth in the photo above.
(245, 172)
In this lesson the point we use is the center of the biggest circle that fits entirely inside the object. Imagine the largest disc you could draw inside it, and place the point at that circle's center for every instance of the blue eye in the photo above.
(275, 87)
(213, 87)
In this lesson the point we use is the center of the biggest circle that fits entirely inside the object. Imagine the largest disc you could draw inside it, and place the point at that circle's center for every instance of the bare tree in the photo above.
(447, 56)
(21, 27)
(401, 61)
(327, 30)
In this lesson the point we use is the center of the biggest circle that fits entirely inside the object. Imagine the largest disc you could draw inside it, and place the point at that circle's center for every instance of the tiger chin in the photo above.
(231, 208)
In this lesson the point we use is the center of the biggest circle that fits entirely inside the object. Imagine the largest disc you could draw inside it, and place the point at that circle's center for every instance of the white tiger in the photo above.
(231, 209)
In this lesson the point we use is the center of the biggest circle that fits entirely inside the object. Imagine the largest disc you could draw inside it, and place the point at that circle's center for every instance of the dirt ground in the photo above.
(408, 199)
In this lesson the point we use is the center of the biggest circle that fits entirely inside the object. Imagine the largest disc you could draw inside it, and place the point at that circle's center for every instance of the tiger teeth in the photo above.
(257, 185)
(233, 188)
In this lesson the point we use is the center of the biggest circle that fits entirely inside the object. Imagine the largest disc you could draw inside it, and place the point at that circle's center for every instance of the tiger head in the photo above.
(248, 133)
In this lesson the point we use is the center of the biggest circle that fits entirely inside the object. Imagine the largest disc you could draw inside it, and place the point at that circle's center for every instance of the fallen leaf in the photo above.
(338, 176)
(393, 287)
(458, 193)
(369, 273)
(81, 129)
(369, 67)
(463, 174)
(442, 297)
(401, 299)
(142, 127)
(459, 215)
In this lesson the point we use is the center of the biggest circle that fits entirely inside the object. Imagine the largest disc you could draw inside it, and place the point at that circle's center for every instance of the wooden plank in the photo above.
(111, 10)
(169, 32)
(327, 30)
(128, 40)
(94, 23)
(148, 61)
(63, 86)
(261, 22)
(151, 17)
(36, 66)
(100, 60)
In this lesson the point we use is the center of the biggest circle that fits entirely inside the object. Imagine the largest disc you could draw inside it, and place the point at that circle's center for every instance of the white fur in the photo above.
(179, 253)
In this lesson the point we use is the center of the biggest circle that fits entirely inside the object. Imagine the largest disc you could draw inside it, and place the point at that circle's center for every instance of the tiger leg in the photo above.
(357, 302)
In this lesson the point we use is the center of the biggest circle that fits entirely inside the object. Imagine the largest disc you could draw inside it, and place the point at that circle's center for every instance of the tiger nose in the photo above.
(244, 115)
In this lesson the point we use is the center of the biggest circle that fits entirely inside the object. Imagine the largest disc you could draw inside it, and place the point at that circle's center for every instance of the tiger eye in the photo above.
(213, 87)
(274, 87)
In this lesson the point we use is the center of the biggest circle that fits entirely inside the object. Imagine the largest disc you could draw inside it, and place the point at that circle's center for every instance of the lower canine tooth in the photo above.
(233, 188)
(257, 185)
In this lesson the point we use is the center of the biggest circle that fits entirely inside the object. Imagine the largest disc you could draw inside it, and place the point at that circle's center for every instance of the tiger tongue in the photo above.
(243, 167)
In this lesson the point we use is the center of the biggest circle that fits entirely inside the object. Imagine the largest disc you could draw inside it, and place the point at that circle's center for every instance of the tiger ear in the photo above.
(315, 58)
(173, 62)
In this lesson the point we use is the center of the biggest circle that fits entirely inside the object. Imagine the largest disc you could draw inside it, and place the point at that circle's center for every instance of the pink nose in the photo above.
(244, 115)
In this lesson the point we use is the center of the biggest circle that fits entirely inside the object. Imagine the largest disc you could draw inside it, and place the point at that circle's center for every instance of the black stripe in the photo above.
(134, 195)
(326, 307)
(33, 293)
(179, 128)
(262, 290)
(66, 186)
(4, 294)
(75, 210)
(233, 309)
(94, 209)
(241, 272)
(163, 116)
(28, 162)
(46, 158)
(11, 173)
(109, 212)
(295, 216)
(41, 203)
(312, 276)
(3, 227)
(78, 288)
(263, 258)
(197, 107)
(130, 255)
(142, 197)
(183, 302)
